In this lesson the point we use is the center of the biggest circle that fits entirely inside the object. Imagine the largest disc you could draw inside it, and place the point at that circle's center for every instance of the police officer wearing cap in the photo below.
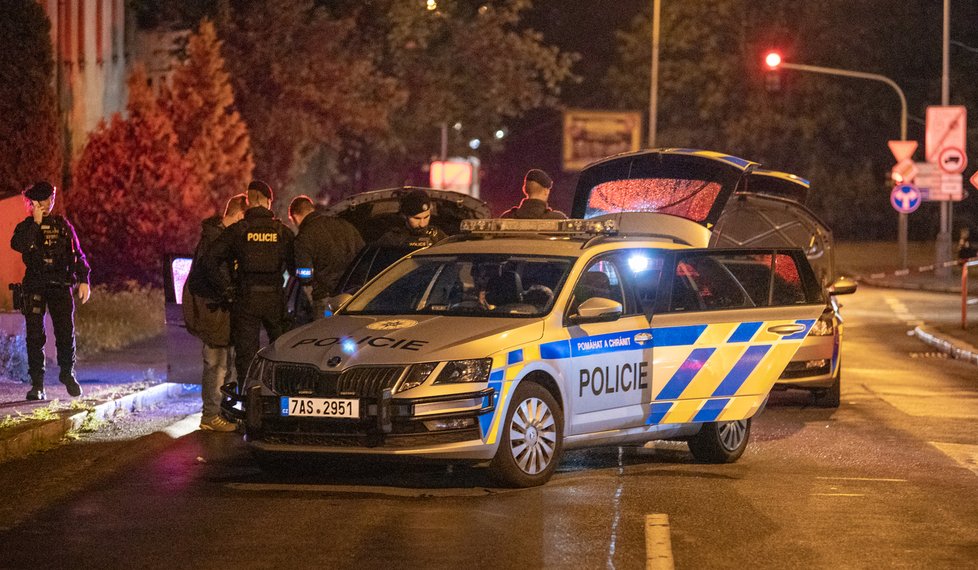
(536, 188)
(257, 250)
(55, 263)
(416, 230)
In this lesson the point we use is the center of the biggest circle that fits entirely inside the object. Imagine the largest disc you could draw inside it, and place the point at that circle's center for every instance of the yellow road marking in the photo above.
(658, 544)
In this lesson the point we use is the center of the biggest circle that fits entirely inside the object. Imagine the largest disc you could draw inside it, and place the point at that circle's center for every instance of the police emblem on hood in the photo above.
(392, 325)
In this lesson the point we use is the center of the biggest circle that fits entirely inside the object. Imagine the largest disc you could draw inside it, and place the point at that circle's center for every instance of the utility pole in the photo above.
(654, 82)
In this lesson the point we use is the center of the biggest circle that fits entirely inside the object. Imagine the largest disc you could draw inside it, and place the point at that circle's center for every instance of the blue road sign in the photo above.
(905, 198)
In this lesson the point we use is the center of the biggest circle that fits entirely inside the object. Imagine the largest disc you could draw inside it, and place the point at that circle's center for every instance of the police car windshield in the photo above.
(483, 285)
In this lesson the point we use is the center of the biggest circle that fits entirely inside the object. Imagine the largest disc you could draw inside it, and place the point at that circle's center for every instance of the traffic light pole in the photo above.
(902, 218)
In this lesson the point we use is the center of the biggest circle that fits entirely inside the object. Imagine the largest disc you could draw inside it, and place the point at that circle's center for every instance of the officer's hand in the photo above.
(84, 292)
(37, 210)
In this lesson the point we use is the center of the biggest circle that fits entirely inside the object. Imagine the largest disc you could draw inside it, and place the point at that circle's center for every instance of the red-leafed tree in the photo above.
(135, 195)
(210, 131)
(30, 144)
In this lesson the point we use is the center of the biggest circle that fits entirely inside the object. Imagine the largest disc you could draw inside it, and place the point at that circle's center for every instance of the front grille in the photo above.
(362, 381)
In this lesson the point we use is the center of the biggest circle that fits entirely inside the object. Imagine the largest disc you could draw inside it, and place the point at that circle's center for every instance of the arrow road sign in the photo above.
(905, 198)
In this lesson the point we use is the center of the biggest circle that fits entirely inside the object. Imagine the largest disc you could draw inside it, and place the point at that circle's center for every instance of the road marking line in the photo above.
(658, 544)
(864, 479)
(363, 490)
(838, 495)
(964, 455)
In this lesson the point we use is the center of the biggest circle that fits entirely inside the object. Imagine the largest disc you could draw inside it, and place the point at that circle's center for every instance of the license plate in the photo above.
(320, 407)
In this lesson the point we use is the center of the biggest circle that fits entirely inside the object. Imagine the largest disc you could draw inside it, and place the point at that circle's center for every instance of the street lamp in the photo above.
(774, 61)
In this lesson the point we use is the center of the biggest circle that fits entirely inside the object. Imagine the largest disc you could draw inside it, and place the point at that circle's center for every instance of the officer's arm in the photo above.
(216, 256)
(26, 238)
(303, 260)
(79, 263)
(290, 260)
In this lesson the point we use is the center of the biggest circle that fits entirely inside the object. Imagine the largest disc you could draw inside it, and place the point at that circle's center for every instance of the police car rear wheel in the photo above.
(531, 443)
(720, 442)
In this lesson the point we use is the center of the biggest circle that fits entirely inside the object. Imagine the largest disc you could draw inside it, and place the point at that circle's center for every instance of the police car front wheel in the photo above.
(531, 443)
(720, 442)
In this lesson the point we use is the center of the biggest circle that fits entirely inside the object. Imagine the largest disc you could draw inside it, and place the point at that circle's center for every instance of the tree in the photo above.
(30, 143)
(136, 196)
(303, 85)
(210, 131)
(467, 63)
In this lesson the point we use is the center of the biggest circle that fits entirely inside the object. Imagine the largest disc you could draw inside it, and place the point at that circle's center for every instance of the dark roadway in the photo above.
(886, 481)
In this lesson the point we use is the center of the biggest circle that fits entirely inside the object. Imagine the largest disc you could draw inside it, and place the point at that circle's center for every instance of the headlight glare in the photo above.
(462, 371)
(416, 376)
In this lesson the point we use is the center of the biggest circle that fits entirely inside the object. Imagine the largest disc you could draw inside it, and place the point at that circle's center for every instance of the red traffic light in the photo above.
(772, 60)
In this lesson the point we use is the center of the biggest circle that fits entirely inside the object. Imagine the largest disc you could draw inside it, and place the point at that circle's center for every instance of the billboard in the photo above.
(593, 135)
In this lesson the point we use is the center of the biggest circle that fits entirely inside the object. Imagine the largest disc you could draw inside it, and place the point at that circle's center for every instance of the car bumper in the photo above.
(441, 427)
(814, 366)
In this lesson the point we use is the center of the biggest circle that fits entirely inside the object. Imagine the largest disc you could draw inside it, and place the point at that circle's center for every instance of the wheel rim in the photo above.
(733, 434)
(533, 436)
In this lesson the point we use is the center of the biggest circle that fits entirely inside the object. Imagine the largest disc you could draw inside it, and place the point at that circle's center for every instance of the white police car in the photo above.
(521, 338)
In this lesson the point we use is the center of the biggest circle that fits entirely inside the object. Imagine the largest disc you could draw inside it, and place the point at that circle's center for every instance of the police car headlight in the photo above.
(416, 376)
(824, 326)
(462, 371)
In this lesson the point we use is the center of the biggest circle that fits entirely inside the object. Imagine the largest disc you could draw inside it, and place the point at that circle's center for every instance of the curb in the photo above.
(957, 349)
(909, 286)
(50, 432)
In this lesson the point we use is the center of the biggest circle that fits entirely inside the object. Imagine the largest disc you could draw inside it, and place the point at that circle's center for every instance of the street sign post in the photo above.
(905, 198)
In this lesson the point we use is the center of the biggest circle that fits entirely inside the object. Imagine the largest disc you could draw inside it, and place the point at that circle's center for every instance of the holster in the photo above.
(31, 302)
(17, 291)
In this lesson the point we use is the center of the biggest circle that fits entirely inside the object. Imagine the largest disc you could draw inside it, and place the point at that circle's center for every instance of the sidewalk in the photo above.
(945, 335)
(112, 382)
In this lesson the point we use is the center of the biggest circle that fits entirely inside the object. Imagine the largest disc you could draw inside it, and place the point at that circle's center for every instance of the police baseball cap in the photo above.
(415, 202)
(262, 188)
(39, 191)
(540, 177)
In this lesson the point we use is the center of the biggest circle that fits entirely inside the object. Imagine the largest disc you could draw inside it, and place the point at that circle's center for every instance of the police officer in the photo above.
(416, 229)
(324, 247)
(55, 263)
(259, 249)
(536, 188)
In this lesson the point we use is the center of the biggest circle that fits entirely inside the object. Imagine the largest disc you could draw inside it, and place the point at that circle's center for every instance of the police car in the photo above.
(519, 339)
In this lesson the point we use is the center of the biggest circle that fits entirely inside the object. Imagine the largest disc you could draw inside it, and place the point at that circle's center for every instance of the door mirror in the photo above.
(597, 310)
(843, 286)
(338, 301)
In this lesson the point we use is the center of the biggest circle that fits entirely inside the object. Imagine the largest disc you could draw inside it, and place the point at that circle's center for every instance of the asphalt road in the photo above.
(886, 481)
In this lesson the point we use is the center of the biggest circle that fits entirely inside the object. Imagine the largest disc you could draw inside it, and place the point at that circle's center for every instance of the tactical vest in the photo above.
(262, 252)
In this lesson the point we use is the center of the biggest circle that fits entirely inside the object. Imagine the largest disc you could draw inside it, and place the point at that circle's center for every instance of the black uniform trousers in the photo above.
(257, 307)
(57, 300)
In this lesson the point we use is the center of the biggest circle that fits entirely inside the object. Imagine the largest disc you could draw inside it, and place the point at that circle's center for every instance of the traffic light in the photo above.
(772, 79)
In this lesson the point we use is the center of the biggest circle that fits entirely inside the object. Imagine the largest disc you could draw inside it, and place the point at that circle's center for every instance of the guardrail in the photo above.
(965, 264)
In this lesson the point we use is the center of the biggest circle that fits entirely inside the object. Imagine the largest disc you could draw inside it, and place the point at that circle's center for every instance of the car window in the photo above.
(472, 285)
(643, 268)
(702, 283)
(600, 278)
(707, 281)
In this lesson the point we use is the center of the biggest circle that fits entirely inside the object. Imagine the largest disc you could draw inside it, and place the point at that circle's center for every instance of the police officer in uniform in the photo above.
(324, 247)
(536, 188)
(55, 263)
(258, 249)
(416, 229)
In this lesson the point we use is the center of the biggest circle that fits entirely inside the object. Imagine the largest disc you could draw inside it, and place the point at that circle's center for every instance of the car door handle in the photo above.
(785, 330)
(642, 338)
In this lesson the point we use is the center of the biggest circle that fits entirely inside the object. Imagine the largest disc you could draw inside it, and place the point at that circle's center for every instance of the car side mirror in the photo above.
(843, 286)
(597, 310)
(338, 301)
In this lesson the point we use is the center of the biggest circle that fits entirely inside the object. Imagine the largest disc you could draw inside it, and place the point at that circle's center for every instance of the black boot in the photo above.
(37, 389)
(67, 378)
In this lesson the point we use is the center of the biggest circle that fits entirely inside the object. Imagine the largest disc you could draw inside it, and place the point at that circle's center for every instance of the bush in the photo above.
(114, 319)
(13, 357)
